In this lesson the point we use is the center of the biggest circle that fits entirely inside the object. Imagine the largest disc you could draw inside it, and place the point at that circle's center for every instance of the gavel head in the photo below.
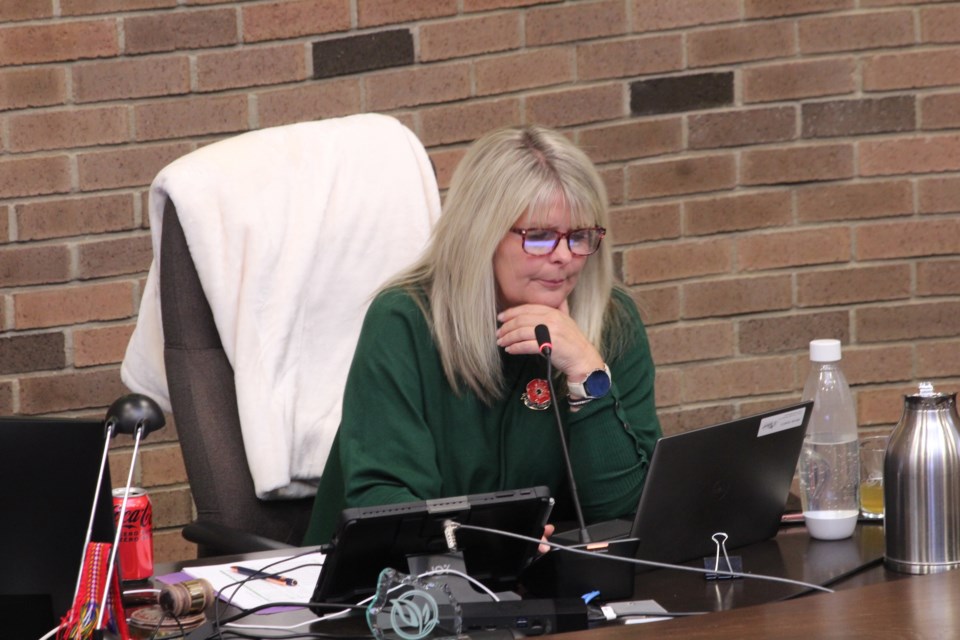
(182, 598)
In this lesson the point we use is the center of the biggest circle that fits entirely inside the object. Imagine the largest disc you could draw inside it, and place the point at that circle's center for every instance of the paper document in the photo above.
(255, 592)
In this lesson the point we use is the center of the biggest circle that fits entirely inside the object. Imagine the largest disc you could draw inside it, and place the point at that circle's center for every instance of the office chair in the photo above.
(200, 371)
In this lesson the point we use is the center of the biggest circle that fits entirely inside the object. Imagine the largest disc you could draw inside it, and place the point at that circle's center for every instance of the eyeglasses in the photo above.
(543, 242)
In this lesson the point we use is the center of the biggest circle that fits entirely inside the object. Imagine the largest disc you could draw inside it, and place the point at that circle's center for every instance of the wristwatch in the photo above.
(596, 385)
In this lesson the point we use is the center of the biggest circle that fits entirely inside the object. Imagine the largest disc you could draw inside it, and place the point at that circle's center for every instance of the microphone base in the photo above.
(561, 574)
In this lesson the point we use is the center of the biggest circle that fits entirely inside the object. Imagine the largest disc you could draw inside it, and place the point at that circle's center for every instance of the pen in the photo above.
(290, 582)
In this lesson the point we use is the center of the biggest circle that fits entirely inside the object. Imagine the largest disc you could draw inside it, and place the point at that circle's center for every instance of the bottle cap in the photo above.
(825, 350)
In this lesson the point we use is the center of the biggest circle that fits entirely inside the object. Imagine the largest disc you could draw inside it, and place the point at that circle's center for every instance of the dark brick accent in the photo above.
(33, 352)
(681, 93)
(380, 50)
(857, 117)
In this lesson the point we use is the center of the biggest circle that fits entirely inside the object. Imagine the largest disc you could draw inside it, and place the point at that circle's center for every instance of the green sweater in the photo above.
(406, 435)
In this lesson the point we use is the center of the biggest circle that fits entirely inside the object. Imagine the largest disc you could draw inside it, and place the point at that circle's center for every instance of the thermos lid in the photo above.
(826, 350)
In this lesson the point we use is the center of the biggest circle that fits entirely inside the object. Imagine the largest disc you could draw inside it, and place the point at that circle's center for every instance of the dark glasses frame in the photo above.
(560, 235)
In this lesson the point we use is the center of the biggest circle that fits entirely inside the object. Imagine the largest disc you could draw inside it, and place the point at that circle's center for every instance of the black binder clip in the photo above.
(731, 564)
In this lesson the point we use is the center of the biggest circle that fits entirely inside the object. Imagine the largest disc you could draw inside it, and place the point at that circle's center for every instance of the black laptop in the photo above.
(732, 478)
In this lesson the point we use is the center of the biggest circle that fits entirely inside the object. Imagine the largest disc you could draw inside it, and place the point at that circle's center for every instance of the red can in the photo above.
(135, 556)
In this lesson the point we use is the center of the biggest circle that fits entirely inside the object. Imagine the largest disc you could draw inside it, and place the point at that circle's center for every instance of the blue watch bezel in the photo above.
(597, 384)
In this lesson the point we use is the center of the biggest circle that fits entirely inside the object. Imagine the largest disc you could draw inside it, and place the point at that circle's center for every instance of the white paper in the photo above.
(304, 569)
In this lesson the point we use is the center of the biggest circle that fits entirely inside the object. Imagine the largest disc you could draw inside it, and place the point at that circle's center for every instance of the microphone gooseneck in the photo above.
(546, 347)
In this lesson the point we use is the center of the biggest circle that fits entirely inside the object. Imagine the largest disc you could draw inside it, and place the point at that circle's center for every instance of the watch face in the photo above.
(597, 384)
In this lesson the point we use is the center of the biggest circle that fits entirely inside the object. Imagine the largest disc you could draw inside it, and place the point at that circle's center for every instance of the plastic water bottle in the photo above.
(829, 461)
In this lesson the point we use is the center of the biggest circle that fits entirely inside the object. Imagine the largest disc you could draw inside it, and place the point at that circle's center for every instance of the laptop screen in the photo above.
(48, 472)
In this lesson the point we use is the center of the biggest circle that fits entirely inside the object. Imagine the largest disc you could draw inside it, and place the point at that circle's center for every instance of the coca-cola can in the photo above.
(135, 555)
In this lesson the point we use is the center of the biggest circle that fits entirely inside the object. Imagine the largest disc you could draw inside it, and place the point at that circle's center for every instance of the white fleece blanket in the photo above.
(291, 229)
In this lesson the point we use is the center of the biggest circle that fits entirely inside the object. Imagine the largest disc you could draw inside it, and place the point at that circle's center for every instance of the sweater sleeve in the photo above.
(387, 451)
(612, 438)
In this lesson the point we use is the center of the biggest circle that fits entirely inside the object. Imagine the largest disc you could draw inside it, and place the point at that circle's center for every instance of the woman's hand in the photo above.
(547, 532)
(572, 353)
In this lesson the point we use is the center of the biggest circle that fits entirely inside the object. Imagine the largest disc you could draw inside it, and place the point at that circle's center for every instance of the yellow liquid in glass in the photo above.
(871, 498)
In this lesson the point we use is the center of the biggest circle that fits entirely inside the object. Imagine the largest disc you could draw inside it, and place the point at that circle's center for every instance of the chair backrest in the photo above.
(204, 402)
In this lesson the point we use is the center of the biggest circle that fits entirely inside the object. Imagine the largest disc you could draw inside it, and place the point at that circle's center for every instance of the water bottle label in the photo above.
(781, 422)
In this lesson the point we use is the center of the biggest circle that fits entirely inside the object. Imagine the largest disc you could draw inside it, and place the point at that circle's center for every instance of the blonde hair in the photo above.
(504, 174)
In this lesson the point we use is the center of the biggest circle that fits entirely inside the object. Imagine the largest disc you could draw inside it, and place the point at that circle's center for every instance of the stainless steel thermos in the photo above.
(921, 480)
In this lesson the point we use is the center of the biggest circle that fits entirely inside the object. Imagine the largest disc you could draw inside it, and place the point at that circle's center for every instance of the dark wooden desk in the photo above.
(869, 600)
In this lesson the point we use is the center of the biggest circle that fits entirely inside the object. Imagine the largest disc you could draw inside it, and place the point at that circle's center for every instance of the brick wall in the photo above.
(779, 171)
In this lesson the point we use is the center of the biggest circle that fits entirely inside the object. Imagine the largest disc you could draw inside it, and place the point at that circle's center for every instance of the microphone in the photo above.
(543, 340)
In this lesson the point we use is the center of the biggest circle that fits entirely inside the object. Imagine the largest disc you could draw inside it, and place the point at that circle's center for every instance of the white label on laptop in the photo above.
(781, 422)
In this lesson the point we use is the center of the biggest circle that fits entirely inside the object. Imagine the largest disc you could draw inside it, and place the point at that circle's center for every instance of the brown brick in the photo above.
(251, 67)
(131, 78)
(691, 342)
(736, 296)
(68, 391)
(32, 87)
(32, 352)
(676, 260)
(100, 345)
(84, 7)
(14, 10)
(34, 176)
(874, 199)
(485, 5)
(180, 30)
(660, 15)
(4, 228)
(685, 175)
(613, 179)
(170, 546)
(132, 166)
(940, 24)
(929, 237)
(314, 101)
(849, 285)
(191, 117)
(871, 365)
(444, 163)
(793, 332)
(938, 277)
(6, 398)
(524, 70)
(291, 19)
(73, 304)
(74, 216)
(353, 54)
(466, 121)
(859, 117)
(578, 21)
(908, 321)
(31, 44)
(34, 131)
(940, 111)
(576, 106)
(850, 32)
(742, 127)
(768, 9)
(469, 36)
(672, 94)
(777, 250)
(682, 420)
(635, 56)
(657, 304)
(172, 506)
(740, 43)
(643, 223)
(881, 406)
(737, 213)
(939, 195)
(101, 258)
(667, 391)
(162, 466)
(371, 13)
(939, 358)
(120, 463)
(420, 85)
(633, 139)
(929, 154)
(910, 69)
(797, 164)
(34, 265)
(732, 379)
(805, 79)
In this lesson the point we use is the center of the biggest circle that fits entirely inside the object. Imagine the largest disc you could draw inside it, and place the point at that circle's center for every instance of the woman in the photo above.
(446, 393)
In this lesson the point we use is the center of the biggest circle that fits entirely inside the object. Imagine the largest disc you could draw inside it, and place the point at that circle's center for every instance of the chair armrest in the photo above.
(213, 538)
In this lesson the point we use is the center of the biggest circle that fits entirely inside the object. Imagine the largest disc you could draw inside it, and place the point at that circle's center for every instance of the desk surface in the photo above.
(868, 598)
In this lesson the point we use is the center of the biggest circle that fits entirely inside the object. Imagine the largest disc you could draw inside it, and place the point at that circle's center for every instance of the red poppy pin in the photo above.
(537, 396)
